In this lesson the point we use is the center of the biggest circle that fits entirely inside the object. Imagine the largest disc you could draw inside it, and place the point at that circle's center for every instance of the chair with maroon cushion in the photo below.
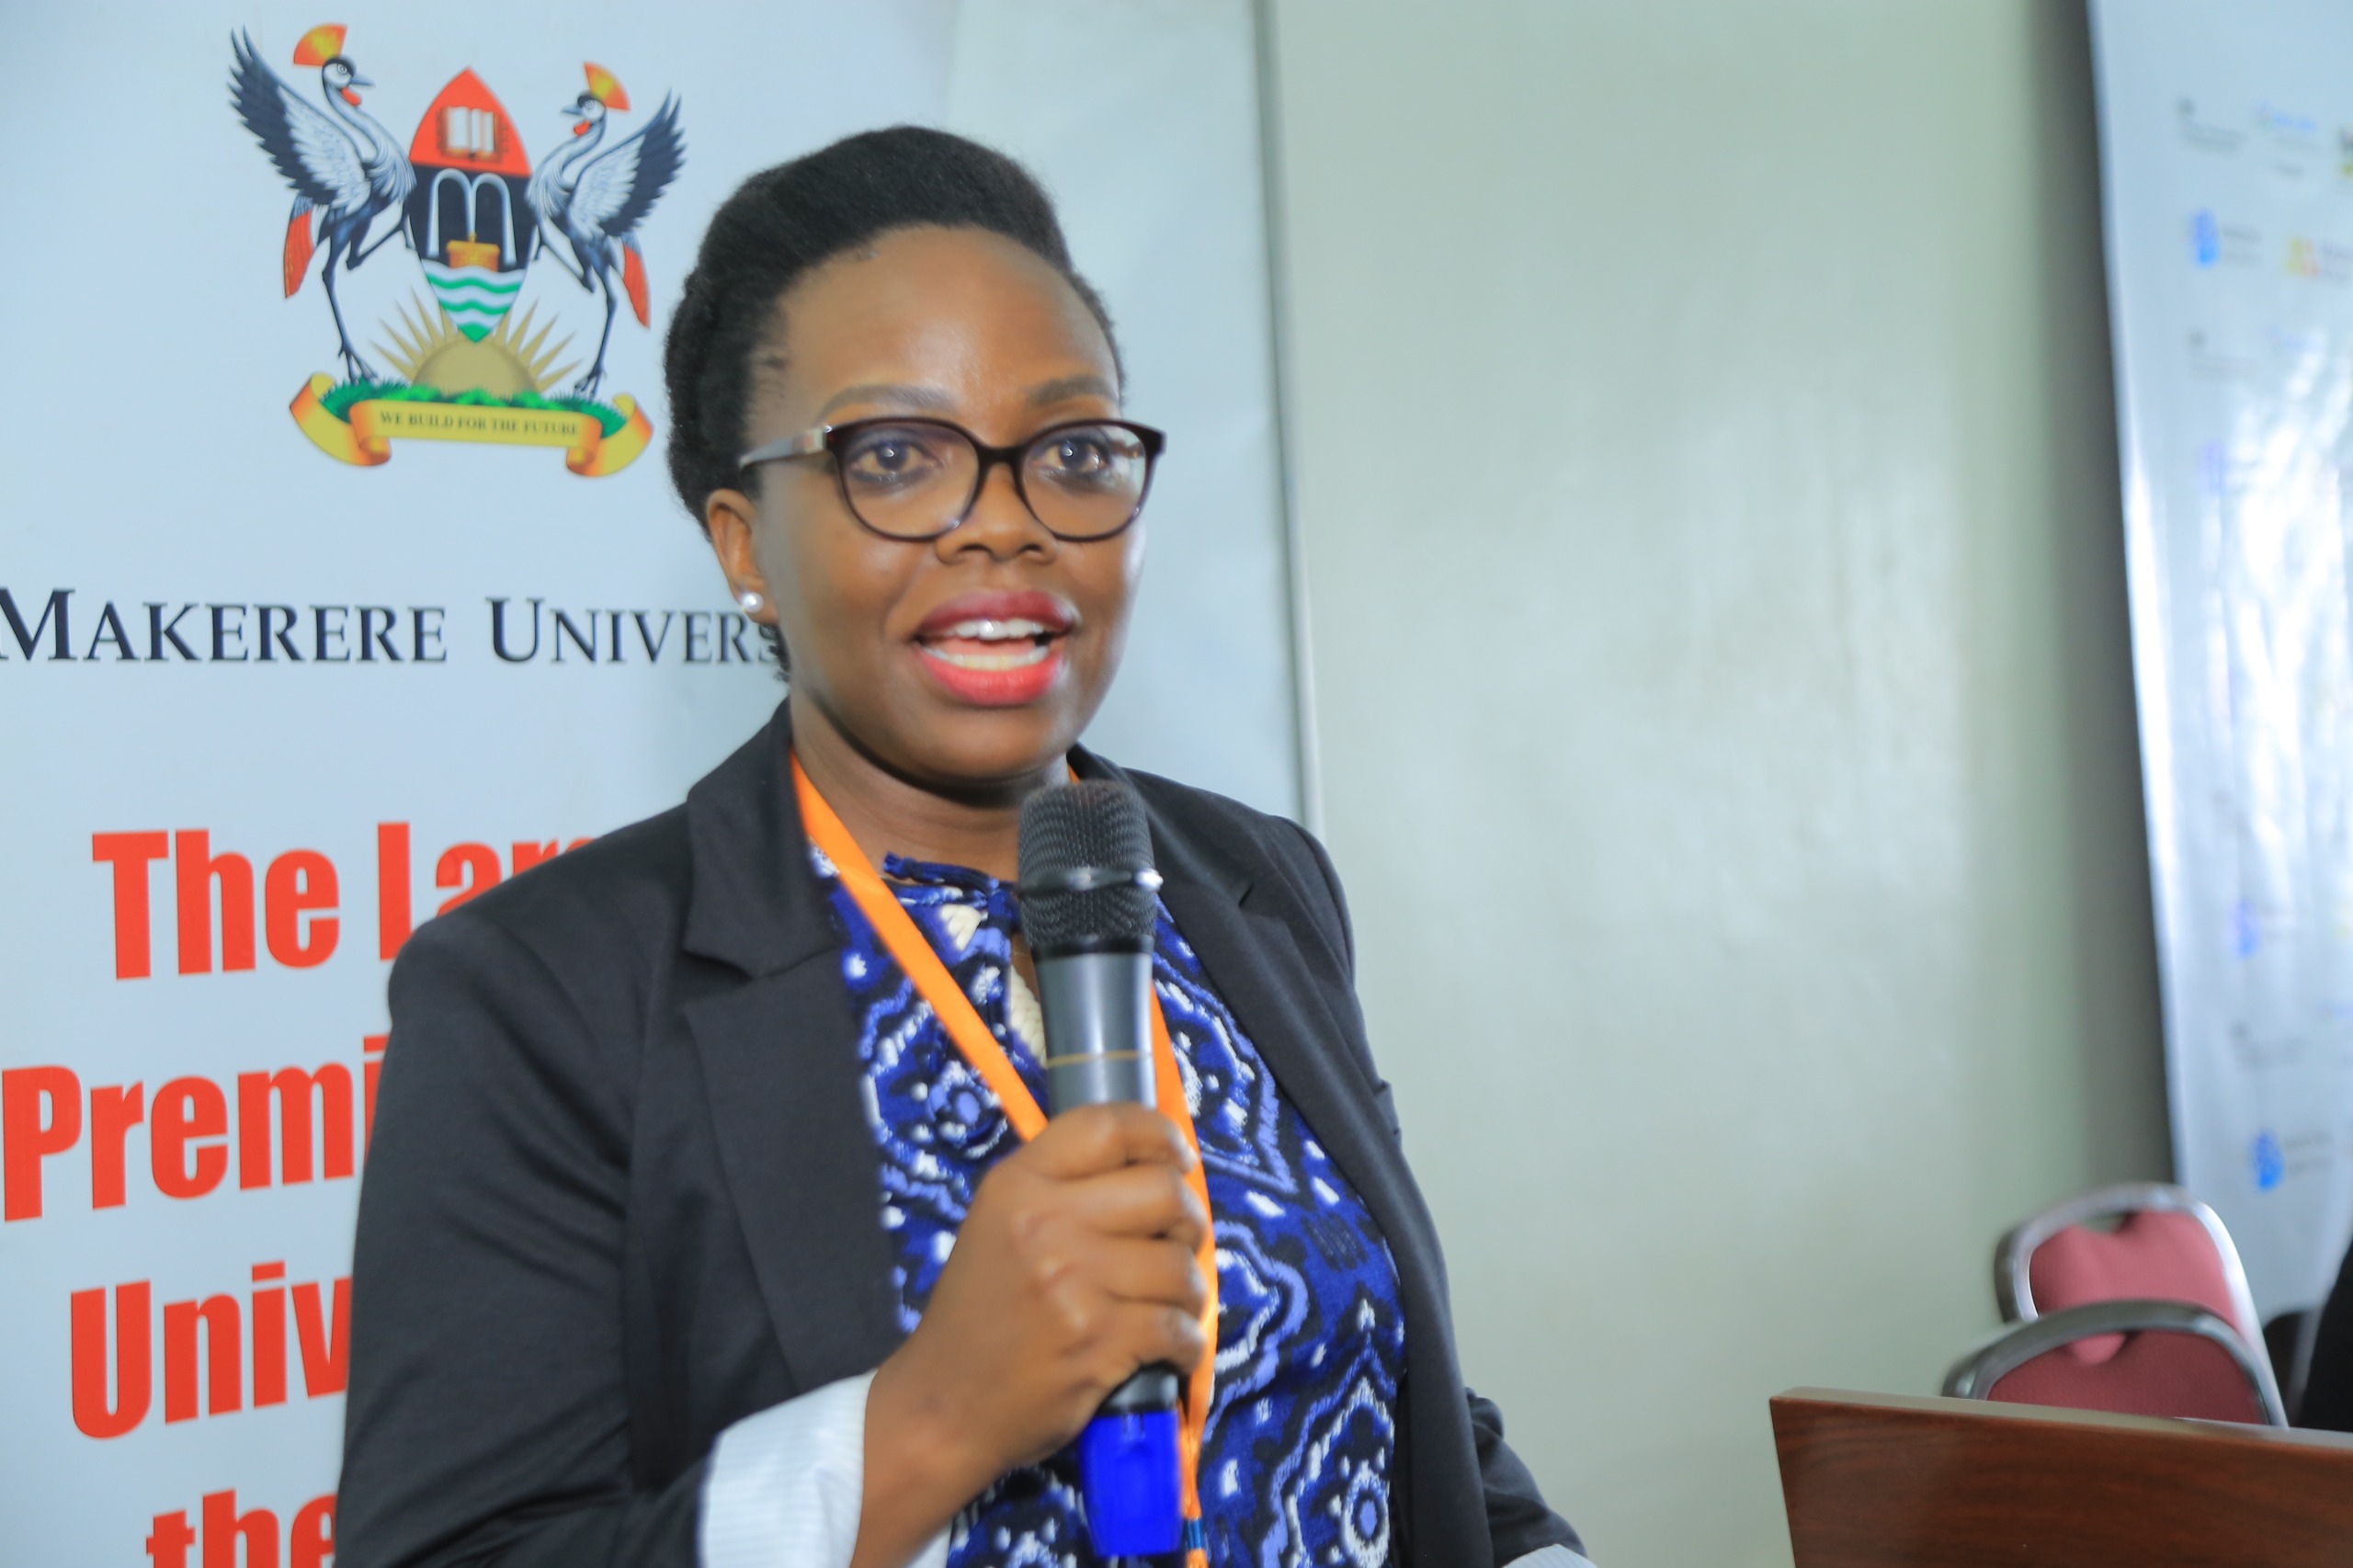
(2166, 1246)
(2169, 1358)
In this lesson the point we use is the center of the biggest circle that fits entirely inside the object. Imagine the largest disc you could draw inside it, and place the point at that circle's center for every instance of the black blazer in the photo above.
(620, 1192)
(2325, 1402)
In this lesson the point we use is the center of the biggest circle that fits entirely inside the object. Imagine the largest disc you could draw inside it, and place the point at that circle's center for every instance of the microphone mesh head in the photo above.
(1090, 822)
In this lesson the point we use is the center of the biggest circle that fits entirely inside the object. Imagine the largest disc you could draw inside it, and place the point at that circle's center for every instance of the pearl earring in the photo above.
(751, 601)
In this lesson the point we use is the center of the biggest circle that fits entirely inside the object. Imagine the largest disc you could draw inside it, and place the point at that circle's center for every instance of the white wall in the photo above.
(1705, 455)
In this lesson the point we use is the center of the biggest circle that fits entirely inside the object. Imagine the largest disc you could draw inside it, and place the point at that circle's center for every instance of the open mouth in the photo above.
(984, 645)
(996, 649)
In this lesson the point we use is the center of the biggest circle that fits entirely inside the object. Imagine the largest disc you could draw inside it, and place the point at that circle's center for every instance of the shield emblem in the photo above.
(467, 215)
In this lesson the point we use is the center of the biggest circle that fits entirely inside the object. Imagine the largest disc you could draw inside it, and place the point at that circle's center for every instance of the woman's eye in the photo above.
(1085, 457)
(890, 458)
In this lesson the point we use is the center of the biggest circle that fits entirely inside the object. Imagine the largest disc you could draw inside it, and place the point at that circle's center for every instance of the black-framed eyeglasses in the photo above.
(916, 479)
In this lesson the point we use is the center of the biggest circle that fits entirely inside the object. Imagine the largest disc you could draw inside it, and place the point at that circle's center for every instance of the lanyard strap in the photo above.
(980, 1050)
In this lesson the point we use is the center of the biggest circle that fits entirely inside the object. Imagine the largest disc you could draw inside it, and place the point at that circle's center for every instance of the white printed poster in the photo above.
(341, 579)
(2227, 145)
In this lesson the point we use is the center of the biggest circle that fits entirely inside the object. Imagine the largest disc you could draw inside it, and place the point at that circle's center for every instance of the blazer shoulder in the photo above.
(1218, 821)
(608, 911)
(1257, 844)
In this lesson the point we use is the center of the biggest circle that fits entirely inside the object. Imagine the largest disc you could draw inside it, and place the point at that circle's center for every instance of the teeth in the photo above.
(1011, 659)
(995, 630)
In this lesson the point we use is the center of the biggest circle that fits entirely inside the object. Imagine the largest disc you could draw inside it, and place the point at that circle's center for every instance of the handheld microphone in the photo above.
(1086, 893)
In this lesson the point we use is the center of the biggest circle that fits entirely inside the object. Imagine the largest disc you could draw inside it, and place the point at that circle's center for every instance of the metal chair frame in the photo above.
(2014, 1288)
(1974, 1375)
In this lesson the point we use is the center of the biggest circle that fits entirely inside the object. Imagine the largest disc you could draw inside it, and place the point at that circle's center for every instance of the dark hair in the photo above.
(783, 221)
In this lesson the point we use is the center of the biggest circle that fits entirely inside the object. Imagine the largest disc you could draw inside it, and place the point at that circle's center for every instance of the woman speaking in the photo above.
(693, 1231)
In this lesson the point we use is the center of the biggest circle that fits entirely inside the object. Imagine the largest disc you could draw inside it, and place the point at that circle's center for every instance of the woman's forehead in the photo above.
(916, 397)
(937, 314)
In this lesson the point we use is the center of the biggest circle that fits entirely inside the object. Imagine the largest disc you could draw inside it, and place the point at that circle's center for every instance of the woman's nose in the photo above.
(1000, 523)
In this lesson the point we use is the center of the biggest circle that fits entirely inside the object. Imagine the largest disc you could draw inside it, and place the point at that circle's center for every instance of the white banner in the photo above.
(321, 612)
(2227, 143)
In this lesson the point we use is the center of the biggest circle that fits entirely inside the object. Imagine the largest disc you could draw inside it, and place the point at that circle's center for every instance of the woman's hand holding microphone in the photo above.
(1074, 1267)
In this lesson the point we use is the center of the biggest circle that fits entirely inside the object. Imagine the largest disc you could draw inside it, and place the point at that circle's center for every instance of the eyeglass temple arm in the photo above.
(808, 443)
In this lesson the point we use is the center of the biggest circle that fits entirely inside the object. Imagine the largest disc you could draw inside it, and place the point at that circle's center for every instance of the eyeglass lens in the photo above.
(917, 481)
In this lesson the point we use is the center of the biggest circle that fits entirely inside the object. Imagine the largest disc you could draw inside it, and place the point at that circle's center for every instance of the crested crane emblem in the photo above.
(460, 361)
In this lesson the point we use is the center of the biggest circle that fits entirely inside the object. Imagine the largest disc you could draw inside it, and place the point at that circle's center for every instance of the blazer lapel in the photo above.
(779, 1055)
(777, 1041)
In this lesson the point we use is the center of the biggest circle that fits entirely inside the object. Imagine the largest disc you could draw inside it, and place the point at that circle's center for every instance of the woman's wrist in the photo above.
(921, 1468)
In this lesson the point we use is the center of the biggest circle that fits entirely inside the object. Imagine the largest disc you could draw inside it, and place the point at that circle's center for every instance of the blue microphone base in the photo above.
(1127, 1475)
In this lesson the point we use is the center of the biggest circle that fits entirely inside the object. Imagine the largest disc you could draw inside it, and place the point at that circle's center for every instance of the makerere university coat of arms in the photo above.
(465, 200)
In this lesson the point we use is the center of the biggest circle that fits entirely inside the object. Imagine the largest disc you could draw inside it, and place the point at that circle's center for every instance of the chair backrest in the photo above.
(2166, 1246)
(2172, 1360)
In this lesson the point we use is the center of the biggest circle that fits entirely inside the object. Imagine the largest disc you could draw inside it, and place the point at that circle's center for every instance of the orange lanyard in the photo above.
(980, 1050)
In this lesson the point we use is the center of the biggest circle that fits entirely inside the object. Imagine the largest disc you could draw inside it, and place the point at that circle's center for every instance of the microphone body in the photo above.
(1088, 908)
(1099, 1028)
(1098, 1052)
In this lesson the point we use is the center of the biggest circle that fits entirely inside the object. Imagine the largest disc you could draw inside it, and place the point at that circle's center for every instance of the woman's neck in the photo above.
(890, 815)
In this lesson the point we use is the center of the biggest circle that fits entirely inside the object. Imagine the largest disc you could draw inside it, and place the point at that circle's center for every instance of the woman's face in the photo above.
(964, 325)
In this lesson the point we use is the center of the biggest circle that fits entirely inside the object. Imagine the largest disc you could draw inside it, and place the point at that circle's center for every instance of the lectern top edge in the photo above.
(1989, 1410)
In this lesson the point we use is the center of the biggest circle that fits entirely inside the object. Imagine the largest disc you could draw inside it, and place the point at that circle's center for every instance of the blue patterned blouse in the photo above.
(1301, 1439)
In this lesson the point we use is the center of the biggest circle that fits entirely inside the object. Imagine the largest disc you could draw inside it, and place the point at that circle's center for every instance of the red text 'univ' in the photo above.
(205, 1345)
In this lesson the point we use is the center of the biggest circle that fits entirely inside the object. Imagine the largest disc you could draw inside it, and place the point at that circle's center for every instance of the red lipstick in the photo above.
(996, 650)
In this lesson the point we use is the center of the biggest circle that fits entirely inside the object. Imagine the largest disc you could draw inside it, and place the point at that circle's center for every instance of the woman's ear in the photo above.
(730, 518)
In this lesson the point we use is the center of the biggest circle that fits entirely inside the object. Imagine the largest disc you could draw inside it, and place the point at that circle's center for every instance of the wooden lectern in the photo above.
(1886, 1480)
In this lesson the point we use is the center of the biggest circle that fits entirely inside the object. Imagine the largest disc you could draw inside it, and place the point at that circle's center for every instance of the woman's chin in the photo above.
(960, 745)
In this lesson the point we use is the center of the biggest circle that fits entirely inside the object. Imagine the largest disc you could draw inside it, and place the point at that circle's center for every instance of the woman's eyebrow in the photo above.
(928, 399)
(1063, 388)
